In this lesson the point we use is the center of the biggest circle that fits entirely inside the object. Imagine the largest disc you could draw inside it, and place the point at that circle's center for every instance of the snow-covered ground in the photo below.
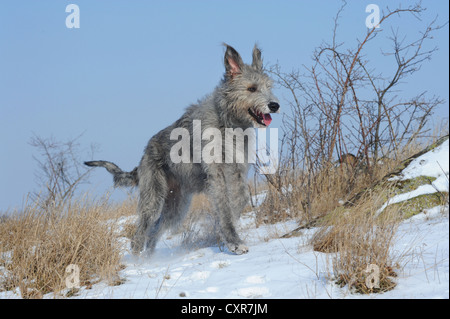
(281, 268)
(288, 267)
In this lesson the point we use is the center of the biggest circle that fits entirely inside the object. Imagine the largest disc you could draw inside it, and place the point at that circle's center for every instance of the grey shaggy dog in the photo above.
(242, 100)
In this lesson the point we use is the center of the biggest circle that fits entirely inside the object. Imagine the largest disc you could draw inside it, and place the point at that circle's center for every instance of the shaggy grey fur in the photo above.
(243, 99)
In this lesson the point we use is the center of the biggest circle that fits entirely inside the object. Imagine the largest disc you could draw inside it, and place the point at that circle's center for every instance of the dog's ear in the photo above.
(233, 62)
(257, 61)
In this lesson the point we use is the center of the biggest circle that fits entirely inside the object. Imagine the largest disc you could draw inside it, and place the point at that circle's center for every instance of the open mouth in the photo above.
(261, 118)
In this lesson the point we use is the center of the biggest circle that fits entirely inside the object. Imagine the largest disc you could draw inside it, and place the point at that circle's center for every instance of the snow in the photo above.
(433, 164)
(288, 267)
(426, 274)
(281, 268)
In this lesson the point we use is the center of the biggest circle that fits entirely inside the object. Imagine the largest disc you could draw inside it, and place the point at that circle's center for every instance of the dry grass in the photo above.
(306, 196)
(354, 237)
(36, 247)
(360, 241)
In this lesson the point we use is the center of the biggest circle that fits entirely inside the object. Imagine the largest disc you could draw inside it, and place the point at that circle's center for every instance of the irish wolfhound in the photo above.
(242, 100)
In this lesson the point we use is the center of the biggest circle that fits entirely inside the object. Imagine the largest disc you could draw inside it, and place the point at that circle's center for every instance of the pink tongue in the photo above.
(267, 119)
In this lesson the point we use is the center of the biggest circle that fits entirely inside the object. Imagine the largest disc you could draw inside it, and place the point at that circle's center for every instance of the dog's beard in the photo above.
(260, 117)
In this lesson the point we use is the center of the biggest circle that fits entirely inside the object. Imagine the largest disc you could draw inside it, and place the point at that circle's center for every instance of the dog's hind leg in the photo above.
(153, 191)
(175, 208)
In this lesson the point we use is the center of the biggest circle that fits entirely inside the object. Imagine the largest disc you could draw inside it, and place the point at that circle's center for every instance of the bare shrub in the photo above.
(341, 105)
(60, 170)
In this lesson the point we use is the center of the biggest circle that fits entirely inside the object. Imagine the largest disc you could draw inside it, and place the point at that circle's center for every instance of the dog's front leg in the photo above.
(219, 196)
(237, 188)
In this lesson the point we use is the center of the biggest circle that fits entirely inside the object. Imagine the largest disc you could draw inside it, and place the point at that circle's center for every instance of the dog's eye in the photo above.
(251, 89)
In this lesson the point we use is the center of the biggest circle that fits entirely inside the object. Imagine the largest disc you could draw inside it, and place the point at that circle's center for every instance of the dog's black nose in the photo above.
(274, 106)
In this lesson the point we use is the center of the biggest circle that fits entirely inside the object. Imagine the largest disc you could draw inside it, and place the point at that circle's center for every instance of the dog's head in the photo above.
(248, 90)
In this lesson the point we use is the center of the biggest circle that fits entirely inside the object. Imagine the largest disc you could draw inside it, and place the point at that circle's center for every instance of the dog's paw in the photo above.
(238, 249)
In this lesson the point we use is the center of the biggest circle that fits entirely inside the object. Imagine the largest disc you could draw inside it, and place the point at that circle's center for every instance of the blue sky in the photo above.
(133, 66)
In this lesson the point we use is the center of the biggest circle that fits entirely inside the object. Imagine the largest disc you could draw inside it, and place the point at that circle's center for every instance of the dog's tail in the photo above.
(121, 178)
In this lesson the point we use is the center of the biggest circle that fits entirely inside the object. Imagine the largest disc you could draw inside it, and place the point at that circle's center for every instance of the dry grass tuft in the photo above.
(36, 247)
(361, 243)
